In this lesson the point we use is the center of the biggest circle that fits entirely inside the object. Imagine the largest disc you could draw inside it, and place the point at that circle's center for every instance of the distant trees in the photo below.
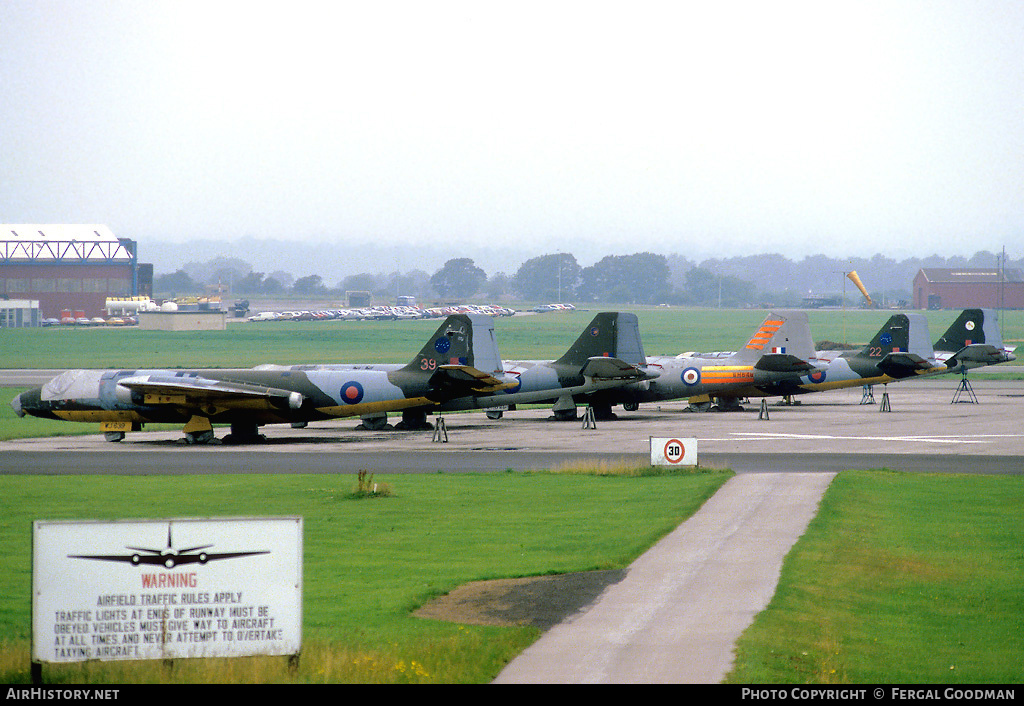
(178, 282)
(641, 278)
(459, 278)
(548, 277)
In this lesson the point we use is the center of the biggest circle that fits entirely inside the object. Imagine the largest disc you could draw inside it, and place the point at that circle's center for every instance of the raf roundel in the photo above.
(351, 392)
(691, 376)
(817, 376)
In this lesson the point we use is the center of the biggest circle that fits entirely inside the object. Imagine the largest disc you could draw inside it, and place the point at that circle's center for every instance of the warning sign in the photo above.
(673, 451)
(162, 589)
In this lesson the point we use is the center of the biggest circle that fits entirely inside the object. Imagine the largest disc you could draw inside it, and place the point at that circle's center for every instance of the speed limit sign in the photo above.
(673, 451)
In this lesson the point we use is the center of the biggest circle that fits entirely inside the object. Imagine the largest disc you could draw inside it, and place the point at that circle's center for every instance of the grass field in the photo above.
(665, 331)
(900, 578)
(368, 563)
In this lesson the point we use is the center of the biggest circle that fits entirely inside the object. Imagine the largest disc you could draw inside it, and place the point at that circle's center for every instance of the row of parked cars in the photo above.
(94, 321)
(381, 313)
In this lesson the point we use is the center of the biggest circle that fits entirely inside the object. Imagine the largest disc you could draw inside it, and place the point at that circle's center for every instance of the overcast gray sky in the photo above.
(702, 128)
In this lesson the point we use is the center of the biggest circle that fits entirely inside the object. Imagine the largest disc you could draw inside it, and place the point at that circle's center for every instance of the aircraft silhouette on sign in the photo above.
(168, 556)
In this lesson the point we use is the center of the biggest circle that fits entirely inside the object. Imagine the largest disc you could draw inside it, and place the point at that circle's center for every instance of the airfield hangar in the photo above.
(69, 268)
(963, 288)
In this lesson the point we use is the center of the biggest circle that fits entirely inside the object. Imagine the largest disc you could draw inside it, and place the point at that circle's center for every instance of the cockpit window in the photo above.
(73, 384)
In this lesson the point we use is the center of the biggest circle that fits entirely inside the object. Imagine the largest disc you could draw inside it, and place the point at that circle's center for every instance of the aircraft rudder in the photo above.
(780, 332)
(970, 327)
(597, 339)
(450, 343)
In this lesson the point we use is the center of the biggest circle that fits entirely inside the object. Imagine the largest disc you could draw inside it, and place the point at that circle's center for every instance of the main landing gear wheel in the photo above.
(199, 437)
(113, 436)
(375, 423)
(412, 421)
(244, 434)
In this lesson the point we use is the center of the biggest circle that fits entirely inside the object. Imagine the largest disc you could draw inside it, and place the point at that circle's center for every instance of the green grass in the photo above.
(368, 563)
(900, 578)
(665, 331)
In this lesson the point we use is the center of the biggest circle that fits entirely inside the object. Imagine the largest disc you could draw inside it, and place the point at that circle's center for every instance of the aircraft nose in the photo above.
(16, 405)
(28, 402)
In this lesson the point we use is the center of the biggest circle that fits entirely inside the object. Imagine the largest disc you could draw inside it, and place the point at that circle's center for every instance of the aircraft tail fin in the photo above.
(462, 339)
(971, 326)
(782, 336)
(609, 335)
(901, 347)
(902, 333)
(975, 340)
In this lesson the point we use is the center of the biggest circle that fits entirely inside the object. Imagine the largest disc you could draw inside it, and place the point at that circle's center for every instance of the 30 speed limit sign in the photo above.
(674, 451)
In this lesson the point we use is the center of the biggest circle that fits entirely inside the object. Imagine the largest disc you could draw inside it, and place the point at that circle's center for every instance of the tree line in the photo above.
(639, 278)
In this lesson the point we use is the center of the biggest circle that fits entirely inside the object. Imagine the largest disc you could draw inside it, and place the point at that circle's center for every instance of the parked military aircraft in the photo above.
(778, 351)
(606, 355)
(973, 341)
(123, 400)
(458, 368)
(899, 350)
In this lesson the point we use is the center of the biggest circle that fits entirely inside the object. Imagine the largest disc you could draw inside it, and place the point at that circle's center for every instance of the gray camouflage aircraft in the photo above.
(607, 355)
(777, 351)
(124, 400)
(458, 368)
(901, 350)
(973, 341)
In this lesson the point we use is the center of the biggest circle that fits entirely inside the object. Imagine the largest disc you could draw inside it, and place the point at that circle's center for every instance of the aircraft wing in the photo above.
(979, 354)
(192, 390)
(901, 365)
(463, 380)
(604, 368)
(783, 363)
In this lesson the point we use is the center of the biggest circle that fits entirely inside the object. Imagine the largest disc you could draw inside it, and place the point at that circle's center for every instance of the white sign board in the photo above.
(673, 451)
(164, 589)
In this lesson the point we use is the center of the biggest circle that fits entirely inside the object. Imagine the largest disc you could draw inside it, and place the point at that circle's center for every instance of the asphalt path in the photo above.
(677, 613)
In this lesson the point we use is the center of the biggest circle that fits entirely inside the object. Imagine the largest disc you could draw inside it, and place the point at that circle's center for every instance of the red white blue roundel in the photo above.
(594, 331)
(351, 392)
(817, 376)
(691, 376)
(442, 345)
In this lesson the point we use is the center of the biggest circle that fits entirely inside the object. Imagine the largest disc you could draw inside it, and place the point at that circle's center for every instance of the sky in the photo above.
(706, 129)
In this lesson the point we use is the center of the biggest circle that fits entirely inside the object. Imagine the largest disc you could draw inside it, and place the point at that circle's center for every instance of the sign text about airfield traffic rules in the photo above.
(166, 588)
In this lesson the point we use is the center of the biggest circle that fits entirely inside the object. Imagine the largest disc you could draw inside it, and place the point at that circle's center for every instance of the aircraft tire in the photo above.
(375, 423)
(200, 438)
(113, 436)
(495, 414)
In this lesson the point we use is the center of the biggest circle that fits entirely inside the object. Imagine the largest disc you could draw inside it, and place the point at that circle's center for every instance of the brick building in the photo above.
(69, 267)
(966, 287)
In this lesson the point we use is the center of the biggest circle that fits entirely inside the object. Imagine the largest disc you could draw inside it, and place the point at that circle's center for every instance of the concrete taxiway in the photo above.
(826, 432)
